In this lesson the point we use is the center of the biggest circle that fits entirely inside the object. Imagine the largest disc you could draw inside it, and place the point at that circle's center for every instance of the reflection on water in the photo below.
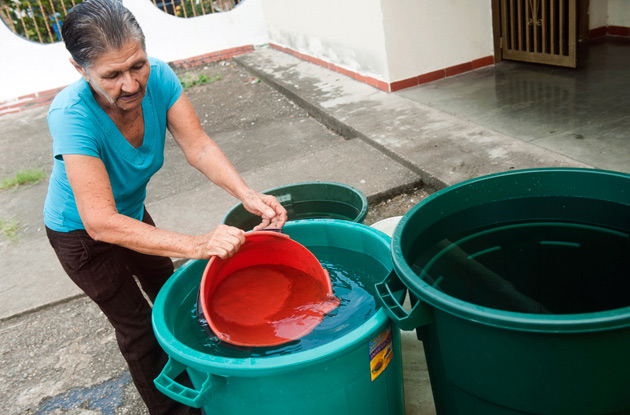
(537, 267)
(312, 209)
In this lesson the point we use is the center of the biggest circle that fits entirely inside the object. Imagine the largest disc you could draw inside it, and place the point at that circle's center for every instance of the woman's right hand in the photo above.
(223, 242)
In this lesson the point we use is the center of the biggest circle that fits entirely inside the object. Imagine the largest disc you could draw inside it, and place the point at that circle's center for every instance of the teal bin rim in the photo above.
(286, 187)
(249, 367)
(560, 323)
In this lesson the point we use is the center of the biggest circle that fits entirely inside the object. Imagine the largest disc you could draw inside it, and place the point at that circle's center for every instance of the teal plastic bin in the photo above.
(308, 200)
(337, 377)
(520, 285)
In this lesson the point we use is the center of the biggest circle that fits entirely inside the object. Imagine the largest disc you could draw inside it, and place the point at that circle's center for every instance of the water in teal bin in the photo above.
(540, 267)
(312, 209)
(325, 209)
(352, 274)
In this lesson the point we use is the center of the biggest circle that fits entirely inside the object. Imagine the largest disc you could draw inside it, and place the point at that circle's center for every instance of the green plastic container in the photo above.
(308, 200)
(521, 289)
(332, 378)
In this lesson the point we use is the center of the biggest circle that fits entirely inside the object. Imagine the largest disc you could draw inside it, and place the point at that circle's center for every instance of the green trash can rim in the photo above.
(286, 187)
(565, 323)
(257, 366)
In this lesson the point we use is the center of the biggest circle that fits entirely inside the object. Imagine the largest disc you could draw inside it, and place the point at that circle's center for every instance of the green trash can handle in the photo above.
(420, 314)
(165, 383)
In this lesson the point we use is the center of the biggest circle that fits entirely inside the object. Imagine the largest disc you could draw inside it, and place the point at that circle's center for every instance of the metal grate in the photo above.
(542, 31)
(193, 8)
(37, 20)
(40, 20)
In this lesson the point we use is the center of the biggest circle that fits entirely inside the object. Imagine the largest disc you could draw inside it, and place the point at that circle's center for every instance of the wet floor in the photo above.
(582, 113)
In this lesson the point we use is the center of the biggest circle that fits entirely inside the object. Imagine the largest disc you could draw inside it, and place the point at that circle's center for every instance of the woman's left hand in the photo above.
(273, 214)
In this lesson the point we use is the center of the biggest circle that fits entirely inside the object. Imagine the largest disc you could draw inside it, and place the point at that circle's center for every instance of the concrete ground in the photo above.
(580, 113)
(301, 123)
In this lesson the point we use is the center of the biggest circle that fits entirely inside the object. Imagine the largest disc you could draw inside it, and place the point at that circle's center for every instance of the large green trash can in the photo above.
(359, 372)
(308, 200)
(521, 289)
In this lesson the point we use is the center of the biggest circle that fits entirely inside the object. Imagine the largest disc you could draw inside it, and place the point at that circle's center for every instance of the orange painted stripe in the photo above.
(619, 31)
(609, 30)
(396, 85)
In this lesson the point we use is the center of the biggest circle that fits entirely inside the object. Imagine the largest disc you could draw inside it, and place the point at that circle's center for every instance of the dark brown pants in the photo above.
(105, 273)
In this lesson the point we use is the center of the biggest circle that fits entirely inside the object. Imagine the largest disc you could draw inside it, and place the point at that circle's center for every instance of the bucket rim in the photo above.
(306, 259)
(257, 366)
(454, 187)
(361, 215)
(511, 320)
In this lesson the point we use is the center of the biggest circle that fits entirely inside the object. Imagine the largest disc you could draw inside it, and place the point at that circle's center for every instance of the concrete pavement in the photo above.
(380, 143)
(440, 148)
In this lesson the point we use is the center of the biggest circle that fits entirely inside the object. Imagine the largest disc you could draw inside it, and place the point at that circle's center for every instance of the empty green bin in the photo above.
(308, 200)
(520, 285)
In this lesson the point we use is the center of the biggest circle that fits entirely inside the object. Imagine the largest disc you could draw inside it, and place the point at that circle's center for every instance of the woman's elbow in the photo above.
(100, 230)
(95, 232)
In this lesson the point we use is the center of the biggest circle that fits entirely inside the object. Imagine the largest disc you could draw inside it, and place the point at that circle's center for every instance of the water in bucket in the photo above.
(352, 274)
(264, 305)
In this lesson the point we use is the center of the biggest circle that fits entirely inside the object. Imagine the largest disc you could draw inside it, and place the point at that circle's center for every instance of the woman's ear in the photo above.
(79, 68)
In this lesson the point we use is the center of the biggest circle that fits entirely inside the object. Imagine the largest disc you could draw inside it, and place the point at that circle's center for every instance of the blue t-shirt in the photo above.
(78, 125)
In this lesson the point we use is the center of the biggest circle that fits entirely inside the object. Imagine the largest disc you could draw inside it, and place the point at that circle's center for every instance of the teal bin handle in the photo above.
(420, 314)
(165, 383)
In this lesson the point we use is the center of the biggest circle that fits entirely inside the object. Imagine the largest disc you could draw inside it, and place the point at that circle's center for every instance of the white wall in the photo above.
(389, 40)
(598, 14)
(29, 67)
(348, 33)
(604, 13)
(618, 13)
(172, 38)
(426, 35)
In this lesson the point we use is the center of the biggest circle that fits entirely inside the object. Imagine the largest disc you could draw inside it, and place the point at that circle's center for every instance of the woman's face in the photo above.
(119, 77)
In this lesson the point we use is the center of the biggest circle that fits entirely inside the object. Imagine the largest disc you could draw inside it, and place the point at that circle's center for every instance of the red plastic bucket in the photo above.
(272, 291)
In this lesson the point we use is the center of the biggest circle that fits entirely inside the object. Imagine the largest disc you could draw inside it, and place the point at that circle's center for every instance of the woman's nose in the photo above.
(129, 83)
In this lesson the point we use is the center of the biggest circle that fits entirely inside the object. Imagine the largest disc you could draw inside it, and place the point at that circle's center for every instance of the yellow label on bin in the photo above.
(381, 352)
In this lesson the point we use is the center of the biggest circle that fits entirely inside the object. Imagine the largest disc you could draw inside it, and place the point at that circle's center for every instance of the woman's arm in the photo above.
(95, 201)
(206, 156)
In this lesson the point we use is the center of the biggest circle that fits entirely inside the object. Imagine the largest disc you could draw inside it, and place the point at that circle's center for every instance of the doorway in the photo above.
(539, 31)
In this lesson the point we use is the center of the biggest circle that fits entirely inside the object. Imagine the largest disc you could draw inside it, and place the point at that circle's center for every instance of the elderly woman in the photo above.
(108, 133)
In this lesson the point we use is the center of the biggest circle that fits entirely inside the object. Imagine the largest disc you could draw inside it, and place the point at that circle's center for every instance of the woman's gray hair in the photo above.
(95, 27)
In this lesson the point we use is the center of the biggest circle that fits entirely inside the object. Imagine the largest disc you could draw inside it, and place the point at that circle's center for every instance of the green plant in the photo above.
(188, 80)
(9, 229)
(22, 177)
(36, 20)
(185, 8)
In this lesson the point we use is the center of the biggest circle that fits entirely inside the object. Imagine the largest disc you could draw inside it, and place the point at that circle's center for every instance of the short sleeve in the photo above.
(167, 82)
(72, 133)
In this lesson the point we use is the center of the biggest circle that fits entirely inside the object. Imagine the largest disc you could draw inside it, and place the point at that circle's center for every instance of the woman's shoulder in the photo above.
(159, 68)
(71, 98)
(164, 82)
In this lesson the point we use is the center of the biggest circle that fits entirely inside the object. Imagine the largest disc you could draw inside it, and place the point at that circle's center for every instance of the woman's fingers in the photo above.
(273, 214)
(223, 242)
